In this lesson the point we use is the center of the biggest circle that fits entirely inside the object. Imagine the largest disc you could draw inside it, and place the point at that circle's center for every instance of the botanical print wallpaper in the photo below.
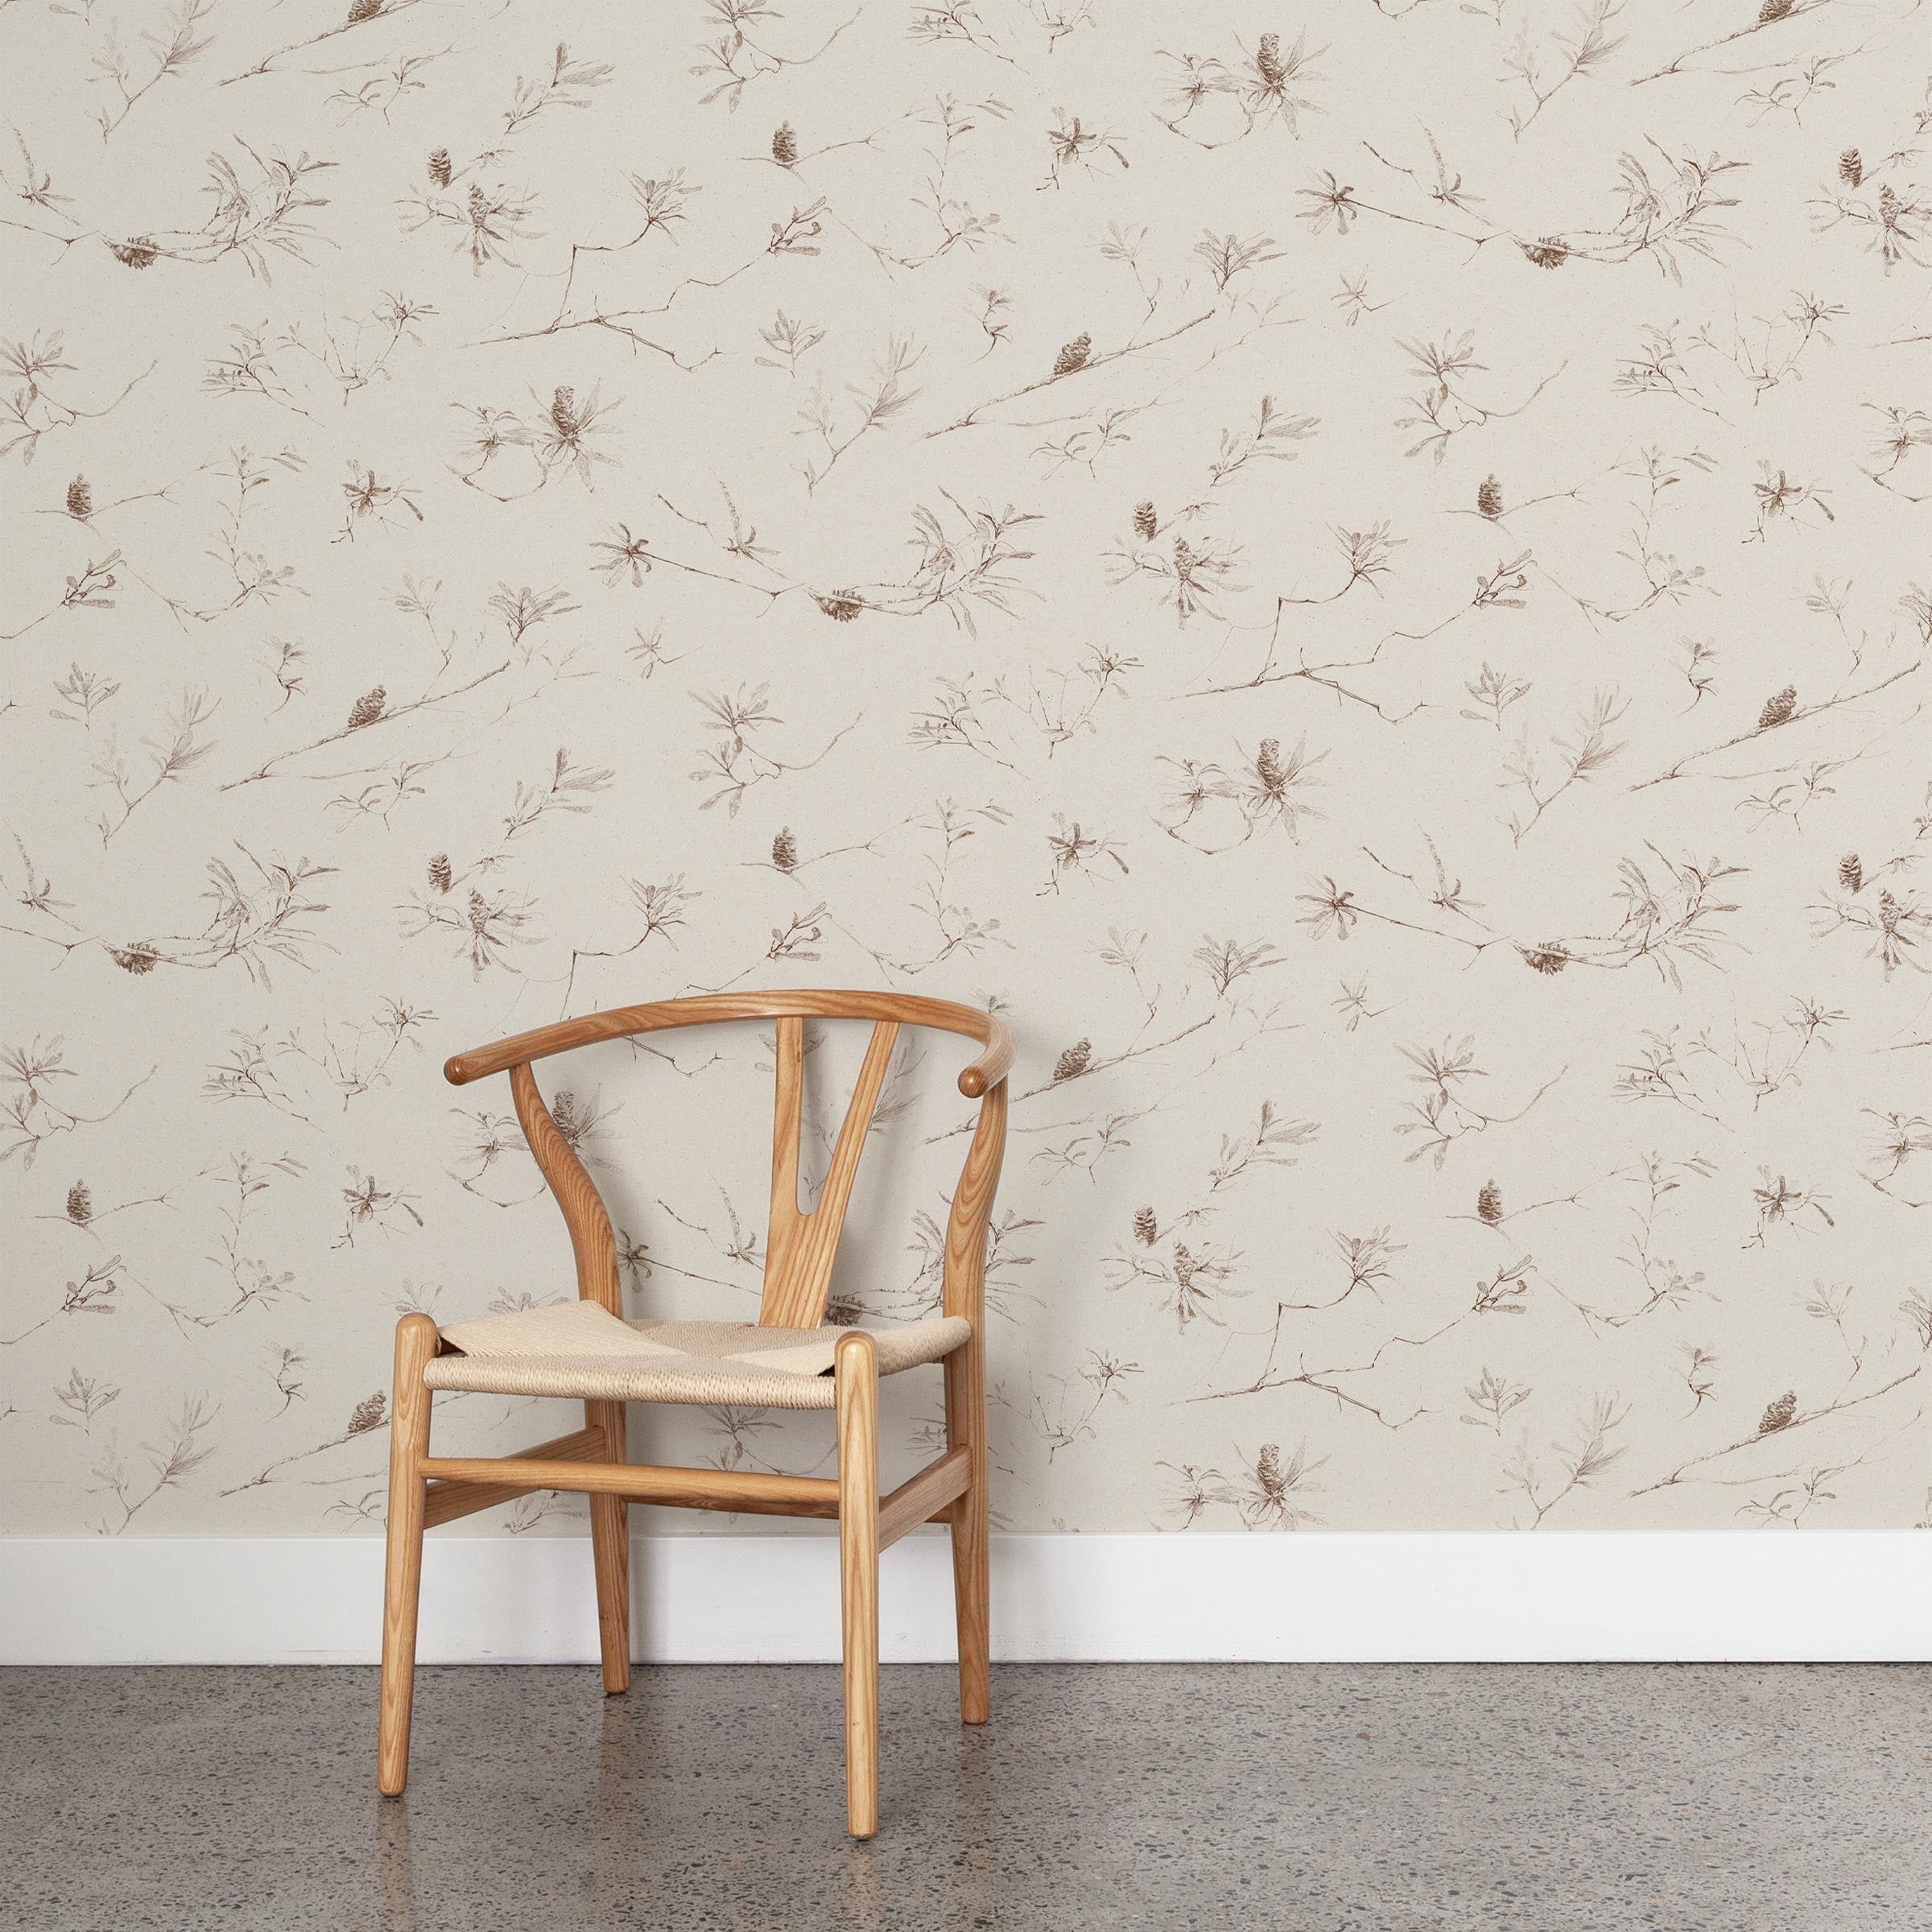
(1360, 571)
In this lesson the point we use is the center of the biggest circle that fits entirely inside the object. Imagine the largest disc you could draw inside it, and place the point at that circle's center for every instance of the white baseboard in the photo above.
(1449, 1596)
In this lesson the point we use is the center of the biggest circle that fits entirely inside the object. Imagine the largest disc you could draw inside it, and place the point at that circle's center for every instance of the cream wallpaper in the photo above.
(1361, 572)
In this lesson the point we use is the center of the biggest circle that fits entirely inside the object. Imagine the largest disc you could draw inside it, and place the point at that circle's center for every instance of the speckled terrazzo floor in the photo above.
(1465, 1799)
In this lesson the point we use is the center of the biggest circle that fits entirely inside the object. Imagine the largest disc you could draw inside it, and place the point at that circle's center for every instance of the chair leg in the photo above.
(971, 1548)
(610, 1549)
(855, 1374)
(416, 1345)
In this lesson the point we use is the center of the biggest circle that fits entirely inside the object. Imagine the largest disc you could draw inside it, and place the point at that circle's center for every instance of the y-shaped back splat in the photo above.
(799, 1247)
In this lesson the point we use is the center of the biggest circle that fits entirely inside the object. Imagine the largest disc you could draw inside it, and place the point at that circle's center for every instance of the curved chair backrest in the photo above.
(800, 1246)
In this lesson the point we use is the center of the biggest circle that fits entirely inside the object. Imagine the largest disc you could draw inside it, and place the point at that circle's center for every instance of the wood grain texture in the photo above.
(787, 1124)
(964, 1294)
(416, 1346)
(945, 1016)
(963, 1267)
(610, 1550)
(923, 1497)
(798, 1282)
(855, 1372)
(737, 1491)
(972, 1531)
(446, 1502)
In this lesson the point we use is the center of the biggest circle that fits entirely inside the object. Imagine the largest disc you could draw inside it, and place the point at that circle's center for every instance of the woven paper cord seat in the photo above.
(579, 1350)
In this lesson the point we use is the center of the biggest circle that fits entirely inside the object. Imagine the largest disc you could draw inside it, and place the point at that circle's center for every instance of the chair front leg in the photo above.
(416, 1345)
(971, 1545)
(610, 1549)
(856, 1376)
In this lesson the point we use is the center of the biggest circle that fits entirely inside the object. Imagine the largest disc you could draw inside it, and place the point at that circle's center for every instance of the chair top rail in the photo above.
(617, 1022)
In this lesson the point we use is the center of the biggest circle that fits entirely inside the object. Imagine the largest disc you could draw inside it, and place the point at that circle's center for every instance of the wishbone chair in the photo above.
(789, 1358)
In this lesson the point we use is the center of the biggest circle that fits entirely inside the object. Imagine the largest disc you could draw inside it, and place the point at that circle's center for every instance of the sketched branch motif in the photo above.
(1383, 624)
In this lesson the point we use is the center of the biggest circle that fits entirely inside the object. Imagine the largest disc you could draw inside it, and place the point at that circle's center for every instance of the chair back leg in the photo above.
(856, 1374)
(610, 1549)
(972, 1548)
(416, 1345)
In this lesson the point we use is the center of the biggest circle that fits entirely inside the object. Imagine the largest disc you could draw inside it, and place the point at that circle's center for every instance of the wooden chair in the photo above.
(696, 1361)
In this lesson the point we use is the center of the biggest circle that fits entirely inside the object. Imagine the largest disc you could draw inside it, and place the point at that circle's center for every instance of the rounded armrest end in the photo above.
(992, 1067)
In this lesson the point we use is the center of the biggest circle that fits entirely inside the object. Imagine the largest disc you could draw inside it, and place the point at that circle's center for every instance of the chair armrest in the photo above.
(991, 1068)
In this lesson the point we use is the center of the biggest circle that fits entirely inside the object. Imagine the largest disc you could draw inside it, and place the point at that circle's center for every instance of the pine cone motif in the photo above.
(1851, 872)
(785, 850)
(1550, 957)
(1268, 765)
(1778, 1416)
(1546, 251)
(1268, 1469)
(79, 1204)
(368, 707)
(785, 144)
(841, 606)
(1489, 1204)
(1074, 1061)
(368, 1414)
(136, 251)
(1145, 524)
(80, 499)
(439, 874)
(563, 411)
(1267, 61)
(1774, 10)
(439, 167)
(139, 958)
(479, 911)
(363, 9)
(1073, 355)
(1146, 1230)
(1851, 167)
(1489, 498)
(1778, 708)
(479, 205)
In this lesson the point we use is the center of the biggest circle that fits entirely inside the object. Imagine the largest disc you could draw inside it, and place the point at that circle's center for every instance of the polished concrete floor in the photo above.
(1463, 1799)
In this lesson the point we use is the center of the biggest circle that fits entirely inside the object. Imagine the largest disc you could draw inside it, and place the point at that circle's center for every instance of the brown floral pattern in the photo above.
(1361, 573)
